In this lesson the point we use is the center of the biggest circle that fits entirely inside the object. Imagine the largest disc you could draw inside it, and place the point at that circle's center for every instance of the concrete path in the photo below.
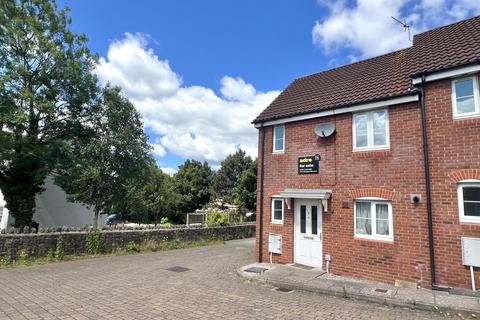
(314, 280)
(142, 287)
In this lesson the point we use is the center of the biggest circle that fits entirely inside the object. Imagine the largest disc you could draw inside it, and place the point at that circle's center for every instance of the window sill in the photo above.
(278, 152)
(276, 222)
(371, 149)
(469, 221)
(374, 239)
(466, 116)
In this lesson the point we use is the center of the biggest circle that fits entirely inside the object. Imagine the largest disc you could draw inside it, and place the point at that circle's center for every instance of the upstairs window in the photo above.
(277, 211)
(279, 138)
(469, 201)
(371, 130)
(465, 99)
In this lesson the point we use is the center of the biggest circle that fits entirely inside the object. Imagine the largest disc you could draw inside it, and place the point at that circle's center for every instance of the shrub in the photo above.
(94, 242)
(132, 247)
(50, 255)
(59, 249)
(166, 222)
(217, 218)
(23, 255)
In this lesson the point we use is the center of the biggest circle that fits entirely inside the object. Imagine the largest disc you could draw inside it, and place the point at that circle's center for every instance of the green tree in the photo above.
(227, 177)
(46, 87)
(149, 198)
(193, 185)
(97, 172)
(246, 188)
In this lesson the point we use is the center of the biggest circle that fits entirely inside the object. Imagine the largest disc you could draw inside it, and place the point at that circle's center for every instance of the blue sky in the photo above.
(200, 71)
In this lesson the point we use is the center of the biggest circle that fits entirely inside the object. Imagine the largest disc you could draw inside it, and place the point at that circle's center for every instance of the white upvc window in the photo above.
(465, 97)
(373, 219)
(277, 210)
(469, 201)
(371, 130)
(279, 138)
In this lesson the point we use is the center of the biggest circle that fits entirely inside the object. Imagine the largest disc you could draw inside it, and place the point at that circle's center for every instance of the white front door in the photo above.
(308, 232)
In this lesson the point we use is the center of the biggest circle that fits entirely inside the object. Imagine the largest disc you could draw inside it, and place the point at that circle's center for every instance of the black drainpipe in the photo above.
(262, 165)
(426, 162)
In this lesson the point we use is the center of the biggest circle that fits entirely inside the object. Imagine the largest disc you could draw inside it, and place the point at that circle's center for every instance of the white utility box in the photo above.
(274, 243)
(471, 251)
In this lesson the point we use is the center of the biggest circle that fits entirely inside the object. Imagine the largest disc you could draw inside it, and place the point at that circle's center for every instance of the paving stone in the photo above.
(138, 287)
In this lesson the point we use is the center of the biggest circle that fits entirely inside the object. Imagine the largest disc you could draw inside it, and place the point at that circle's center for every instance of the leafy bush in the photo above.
(217, 218)
(59, 249)
(94, 242)
(50, 255)
(23, 255)
(166, 222)
(132, 247)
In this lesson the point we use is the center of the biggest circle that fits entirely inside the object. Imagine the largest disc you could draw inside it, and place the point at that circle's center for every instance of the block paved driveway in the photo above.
(139, 287)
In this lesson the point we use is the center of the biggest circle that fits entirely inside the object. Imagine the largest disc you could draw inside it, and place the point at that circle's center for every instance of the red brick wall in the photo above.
(454, 147)
(392, 174)
(396, 173)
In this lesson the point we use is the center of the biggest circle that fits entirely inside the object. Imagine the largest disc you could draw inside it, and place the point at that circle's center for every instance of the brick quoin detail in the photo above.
(374, 193)
(465, 174)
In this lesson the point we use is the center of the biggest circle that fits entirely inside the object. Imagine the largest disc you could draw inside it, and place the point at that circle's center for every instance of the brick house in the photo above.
(390, 193)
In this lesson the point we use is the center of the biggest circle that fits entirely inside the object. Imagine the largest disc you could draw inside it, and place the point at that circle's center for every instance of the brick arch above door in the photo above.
(374, 193)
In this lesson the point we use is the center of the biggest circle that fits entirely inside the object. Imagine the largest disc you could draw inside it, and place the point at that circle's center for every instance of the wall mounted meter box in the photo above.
(471, 251)
(274, 243)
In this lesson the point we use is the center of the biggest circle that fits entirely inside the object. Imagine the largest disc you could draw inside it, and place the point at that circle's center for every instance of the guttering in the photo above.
(262, 174)
(426, 162)
(412, 97)
(445, 73)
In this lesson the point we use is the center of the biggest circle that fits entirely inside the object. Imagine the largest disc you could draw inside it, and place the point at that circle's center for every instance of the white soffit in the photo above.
(354, 108)
(448, 74)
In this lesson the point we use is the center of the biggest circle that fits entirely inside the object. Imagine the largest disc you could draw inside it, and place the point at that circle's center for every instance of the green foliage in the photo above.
(98, 172)
(166, 222)
(150, 198)
(132, 247)
(23, 255)
(60, 248)
(230, 172)
(217, 218)
(193, 185)
(46, 88)
(246, 188)
(93, 242)
(50, 255)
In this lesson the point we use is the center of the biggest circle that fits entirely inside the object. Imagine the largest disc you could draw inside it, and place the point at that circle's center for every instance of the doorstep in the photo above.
(315, 280)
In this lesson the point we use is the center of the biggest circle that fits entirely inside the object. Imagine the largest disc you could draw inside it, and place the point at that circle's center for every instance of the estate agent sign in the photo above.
(309, 164)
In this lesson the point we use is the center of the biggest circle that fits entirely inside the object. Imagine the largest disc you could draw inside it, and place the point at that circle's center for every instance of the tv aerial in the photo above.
(406, 27)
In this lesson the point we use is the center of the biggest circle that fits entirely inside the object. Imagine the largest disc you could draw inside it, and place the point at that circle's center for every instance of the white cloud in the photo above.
(368, 29)
(192, 122)
(158, 150)
(137, 69)
(169, 171)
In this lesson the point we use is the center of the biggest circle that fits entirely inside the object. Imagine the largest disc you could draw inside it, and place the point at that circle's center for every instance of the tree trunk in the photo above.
(95, 219)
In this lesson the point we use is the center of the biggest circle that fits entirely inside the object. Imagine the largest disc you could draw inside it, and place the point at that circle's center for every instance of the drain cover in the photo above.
(256, 270)
(381, 290)
(283, 290)
(177, 269)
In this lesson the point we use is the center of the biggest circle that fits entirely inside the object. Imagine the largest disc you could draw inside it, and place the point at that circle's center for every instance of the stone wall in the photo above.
(38, 244)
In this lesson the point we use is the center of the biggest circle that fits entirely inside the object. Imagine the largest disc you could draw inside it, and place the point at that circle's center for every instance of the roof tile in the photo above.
(380, 77)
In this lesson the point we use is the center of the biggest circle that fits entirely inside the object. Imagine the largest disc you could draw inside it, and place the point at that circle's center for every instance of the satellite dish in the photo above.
(324, 130)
